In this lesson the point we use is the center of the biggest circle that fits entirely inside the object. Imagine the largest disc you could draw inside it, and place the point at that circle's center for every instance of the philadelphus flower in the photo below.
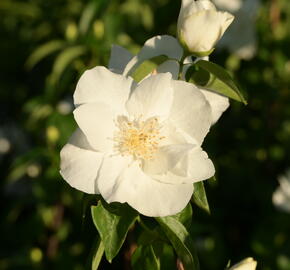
(200, 26)
(246, 264)
(138, 143)
(281, 197)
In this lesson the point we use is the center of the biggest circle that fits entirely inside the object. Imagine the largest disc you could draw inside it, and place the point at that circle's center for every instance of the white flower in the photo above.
(123, 61)
(200, 25)
(138, 143)
(241, 38)
(246, 264)
(281, 197)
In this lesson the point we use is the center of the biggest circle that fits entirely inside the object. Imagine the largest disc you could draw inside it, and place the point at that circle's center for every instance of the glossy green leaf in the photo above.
(199, 196)
(144, 258)
(218, 80)
(148, 67)
(113, 223)
(181, 241)
(44, 51)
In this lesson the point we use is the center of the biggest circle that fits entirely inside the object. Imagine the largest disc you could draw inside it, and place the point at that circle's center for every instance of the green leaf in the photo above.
(218, 80)
(185, 216)
(181, 241)
(148, 67)
(43, 51)
(165, 254)
(113, 222)
(97, 254)
(144, 258)
(199, 196)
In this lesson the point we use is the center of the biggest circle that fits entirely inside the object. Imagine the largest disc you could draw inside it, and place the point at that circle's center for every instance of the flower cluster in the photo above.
(140, 142)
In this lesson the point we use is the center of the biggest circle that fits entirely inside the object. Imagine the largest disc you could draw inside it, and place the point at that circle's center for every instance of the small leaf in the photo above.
(185, 216)
(113, 222)
(181, 241)
(219, 81)
(43, 51)
(144, 258)
(97, 254)
(148, 67)
(199, 196)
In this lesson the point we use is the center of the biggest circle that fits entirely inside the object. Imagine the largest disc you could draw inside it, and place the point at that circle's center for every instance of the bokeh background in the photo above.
(44, 48)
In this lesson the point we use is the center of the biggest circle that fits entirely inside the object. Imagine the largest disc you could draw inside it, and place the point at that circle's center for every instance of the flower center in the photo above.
(138, 138)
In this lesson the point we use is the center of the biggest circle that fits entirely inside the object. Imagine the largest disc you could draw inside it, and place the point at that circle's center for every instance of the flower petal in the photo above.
(166, 158)
(79, 166)
(218, 103)
(108, 178)
(101, 85)
(152, 97)
(190, 111)
(200, 167)
(195, 166)
(120, 57)
(170, 66)
(149, 197)
(156, 46)
(96, 120)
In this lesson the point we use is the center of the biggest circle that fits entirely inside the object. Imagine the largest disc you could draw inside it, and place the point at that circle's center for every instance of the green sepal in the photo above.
(147, 67)
(113, 222)
(215, 78)
(203, 54)
(199, 196)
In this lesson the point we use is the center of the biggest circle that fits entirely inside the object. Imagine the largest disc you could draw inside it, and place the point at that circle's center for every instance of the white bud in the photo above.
(246, 264)
(200, 26)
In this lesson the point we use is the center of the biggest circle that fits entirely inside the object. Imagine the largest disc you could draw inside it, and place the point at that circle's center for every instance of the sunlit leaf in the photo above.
(98, 252)
(113, 223)
(148, 67)
(213, 77)
(199, 196)
(181, 240)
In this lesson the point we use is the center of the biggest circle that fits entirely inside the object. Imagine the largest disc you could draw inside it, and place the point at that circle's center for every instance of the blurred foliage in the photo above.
(46, 45)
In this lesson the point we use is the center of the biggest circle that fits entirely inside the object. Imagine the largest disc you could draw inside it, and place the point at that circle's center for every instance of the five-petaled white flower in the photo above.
(200, 25)
(246, 264)
(138, 143)
(141, 143)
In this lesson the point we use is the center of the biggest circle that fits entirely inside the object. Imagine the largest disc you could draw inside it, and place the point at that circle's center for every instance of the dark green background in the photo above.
(41, 225)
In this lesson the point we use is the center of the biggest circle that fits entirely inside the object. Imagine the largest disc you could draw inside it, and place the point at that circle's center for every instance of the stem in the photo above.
(181, 66)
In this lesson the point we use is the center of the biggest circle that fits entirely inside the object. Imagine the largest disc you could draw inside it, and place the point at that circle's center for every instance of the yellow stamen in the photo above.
(138, 138)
